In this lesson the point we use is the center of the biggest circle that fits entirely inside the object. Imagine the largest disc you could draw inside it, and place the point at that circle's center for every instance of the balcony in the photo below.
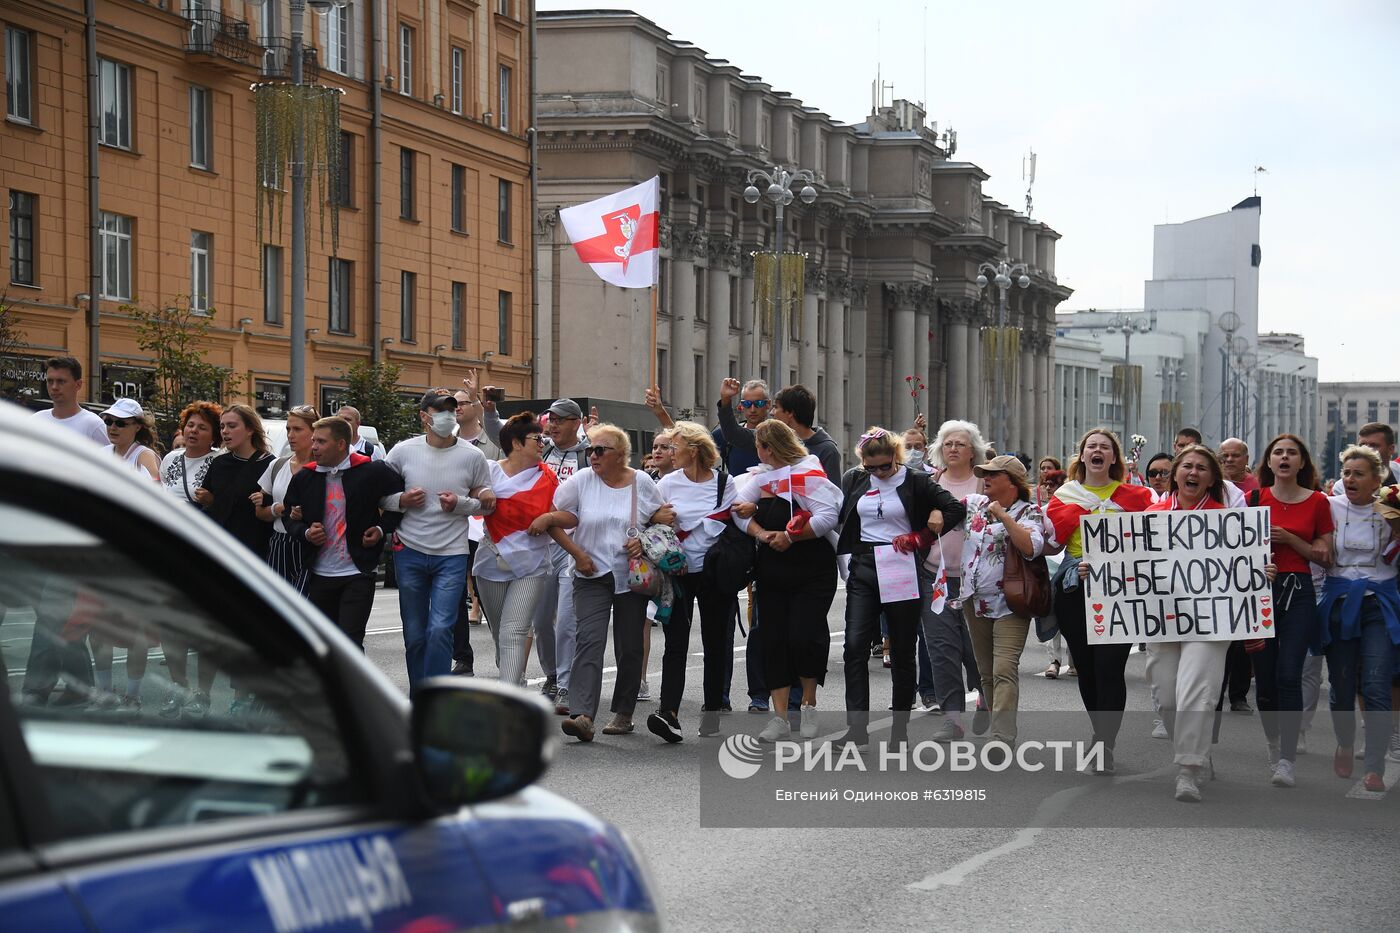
(277, 61)
(219, 39)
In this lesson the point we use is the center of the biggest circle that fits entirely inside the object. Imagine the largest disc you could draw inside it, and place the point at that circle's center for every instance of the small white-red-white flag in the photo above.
(617, 235)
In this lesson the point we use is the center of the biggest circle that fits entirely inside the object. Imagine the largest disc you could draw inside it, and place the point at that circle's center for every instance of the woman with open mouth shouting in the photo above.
(1097, 484)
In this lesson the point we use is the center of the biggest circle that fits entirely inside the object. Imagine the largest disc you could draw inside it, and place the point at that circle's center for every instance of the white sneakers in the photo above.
(1187, 791)
(808, 729)
(643, 692)
(1283, 774)
(776, 730)
(1159, 730)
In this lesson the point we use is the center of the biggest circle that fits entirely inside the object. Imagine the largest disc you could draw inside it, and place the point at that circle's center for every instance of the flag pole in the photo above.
(653, 336)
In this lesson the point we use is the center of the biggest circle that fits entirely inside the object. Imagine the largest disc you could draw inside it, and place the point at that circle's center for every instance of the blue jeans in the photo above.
(430, 590)
(1365, 663)
(1278, 669)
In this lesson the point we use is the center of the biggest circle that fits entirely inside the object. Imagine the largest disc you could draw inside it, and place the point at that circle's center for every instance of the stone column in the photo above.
(957, 393)
(750, 321)
(685, 242)
(976, 412)
(899, 307)
(809, 350)
(924, 302)
(722, 252)
(838, 292)
(860, 297)
(1025, 437)
(1045, 398)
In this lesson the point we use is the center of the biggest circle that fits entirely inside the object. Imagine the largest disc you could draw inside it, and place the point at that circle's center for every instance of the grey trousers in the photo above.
(510, 611)
(949, 646)
(594, 602)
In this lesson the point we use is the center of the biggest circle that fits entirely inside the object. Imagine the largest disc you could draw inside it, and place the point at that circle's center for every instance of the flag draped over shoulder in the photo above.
(520, 499)
(617, 235)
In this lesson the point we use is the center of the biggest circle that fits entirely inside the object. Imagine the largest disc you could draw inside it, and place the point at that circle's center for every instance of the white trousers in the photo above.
(1186, 677)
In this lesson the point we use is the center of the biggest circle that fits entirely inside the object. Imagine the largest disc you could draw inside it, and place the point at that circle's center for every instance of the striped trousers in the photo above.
(285, 556)
(510, 609)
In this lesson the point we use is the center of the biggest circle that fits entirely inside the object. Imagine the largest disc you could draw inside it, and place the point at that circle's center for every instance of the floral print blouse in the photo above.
(984, 553)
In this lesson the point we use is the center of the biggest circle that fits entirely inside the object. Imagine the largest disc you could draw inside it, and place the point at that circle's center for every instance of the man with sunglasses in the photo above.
(734, 440)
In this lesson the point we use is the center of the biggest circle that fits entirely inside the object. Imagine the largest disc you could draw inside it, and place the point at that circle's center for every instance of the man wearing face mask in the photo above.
(446, 479)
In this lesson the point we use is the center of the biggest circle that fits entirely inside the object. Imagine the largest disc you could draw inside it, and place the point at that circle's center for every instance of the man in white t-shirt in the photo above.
(359, 445)
(64, 377)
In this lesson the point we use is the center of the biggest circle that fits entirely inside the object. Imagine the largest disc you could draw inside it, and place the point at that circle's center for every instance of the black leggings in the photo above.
(1102, 685)
(716, 609)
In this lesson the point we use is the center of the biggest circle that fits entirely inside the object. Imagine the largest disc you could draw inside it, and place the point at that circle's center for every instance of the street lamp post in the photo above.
(1128, 327)
(778, 189)
(1002, 273)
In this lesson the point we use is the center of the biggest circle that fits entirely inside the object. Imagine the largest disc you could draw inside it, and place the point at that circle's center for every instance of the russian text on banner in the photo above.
(1177, 576)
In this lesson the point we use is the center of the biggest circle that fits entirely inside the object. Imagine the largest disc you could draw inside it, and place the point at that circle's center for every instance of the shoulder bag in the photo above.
(1025, 583)
(729, 561)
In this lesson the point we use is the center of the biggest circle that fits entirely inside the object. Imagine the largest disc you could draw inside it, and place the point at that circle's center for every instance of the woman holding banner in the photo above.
(886, 506)
(1360, 613)
(790, 507)
(1300, 522)
(1097, 485)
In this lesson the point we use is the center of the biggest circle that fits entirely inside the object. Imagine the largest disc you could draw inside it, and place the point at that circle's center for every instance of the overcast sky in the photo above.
(1140, 113)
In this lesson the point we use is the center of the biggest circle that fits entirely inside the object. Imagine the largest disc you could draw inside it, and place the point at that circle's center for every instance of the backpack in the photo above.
(729, 561)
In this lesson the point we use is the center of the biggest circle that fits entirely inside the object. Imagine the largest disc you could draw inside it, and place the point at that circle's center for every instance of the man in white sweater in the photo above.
(445, 481)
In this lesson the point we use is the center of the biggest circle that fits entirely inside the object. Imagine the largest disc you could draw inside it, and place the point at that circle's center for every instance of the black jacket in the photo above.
(920, 495)
(819, 445)
(365, 484)
(232, 480)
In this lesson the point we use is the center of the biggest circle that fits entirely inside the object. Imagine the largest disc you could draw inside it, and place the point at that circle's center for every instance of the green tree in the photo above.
(176, 337)
(373, 388)
(11, 341)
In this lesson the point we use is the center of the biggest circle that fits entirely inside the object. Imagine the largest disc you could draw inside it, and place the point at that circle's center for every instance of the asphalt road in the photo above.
(1094, 853)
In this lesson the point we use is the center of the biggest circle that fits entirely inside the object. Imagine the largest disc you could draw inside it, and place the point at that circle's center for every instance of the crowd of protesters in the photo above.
(540, 526)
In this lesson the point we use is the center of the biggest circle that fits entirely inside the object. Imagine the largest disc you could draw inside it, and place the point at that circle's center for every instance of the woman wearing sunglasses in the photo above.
(885, 505)
(285, 554)
(132, 438)
(599, 505)
(512, 567)
(1159, 475)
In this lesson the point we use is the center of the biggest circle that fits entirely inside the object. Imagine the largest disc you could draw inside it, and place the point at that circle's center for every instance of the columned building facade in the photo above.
(892, 244)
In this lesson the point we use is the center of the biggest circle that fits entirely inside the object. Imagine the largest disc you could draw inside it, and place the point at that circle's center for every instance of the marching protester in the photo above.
(470, 428)
(699, 492)
(231, 483)
(512, 565)
(132, 438)
(1234, 460)
(359, 445)
(1300, 522)
(1186, 675)
(916, 450)
(796, 407)
(334, 509)
(286, 555)
(1159, 473)
(1097, 485)
(791, 508)
(445, 479)
(998, 519)
(886, 505)
(182, 471)
(63, 377)
(601, 505)
(1360, 615)
(956, 450)
(1051, 476)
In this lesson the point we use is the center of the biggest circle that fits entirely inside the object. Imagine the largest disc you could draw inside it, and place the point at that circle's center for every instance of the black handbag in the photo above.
(729, 561)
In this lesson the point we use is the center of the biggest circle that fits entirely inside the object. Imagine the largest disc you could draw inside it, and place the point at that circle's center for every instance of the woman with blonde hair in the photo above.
(285, 554)
(791, 508)
(885, 506)
(700, 492)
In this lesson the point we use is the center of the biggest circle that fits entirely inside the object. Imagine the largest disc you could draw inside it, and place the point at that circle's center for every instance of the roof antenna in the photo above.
(1028, 176)
(924, 103)
(1258, 170)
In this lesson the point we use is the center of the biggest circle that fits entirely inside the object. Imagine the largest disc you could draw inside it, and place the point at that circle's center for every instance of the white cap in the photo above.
(125, 408)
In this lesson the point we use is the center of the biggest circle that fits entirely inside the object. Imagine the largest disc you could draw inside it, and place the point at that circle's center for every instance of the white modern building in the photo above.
(1078, 362)
(1346, 406)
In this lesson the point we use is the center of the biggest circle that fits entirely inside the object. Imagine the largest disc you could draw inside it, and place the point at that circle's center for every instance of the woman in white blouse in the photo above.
(1002, 516)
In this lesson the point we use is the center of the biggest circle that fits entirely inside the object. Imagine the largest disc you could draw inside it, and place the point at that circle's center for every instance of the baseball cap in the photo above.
(437, 400)
(1003, 464)
(125, 408)
(566, 408)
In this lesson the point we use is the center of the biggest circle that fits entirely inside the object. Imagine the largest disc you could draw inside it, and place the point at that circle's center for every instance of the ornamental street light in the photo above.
(778, 189)
(1002, 274)
(1129, 326)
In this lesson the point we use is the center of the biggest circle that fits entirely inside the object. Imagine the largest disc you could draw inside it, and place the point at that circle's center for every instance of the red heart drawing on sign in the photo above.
(1098, 619)
(1264, 600)
(1267, 622)
(1171, 617)
(1267, 612)
(1098, 607)
(1098, 629)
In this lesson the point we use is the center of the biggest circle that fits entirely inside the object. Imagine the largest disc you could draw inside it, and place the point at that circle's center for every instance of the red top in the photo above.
(1247, 483)
(1309, 520)
(1168, 503)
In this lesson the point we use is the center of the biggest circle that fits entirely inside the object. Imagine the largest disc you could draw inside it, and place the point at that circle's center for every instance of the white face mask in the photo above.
(914, 460)
(443, 422)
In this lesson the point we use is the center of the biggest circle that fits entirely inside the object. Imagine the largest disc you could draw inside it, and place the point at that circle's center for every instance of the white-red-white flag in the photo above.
(617, 235)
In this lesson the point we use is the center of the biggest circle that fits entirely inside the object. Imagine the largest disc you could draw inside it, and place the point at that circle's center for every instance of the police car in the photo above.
(260, 774)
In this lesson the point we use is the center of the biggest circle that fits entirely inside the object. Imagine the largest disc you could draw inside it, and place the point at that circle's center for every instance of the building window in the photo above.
(661, 83)
(734, 316)
(1373, 411)
(340, 279)
(663, 287)
(115, 236)
(765, 138)
(459, 313)
(503, 211)
(503, 7)
(503, 101)
(459, 70)
(733, 118)
(699, 101)
(1351, 412)
(702, 313)
(201, 127)
(22, 238)
(503, 323)
(338, 40)
(408, 294)
(19, 83)
(700, 394)
(459, 198)
(661, 376)
(201, 262)
(405, 59)
(345, 180)
(114, 110)
(406, 180)
(272, 284)
(1394, 417)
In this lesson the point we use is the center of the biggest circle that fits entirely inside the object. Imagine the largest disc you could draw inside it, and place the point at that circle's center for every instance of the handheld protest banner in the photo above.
(1177, 576)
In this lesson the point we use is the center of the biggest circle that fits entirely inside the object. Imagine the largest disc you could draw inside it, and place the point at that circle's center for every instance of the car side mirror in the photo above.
(478, 741)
